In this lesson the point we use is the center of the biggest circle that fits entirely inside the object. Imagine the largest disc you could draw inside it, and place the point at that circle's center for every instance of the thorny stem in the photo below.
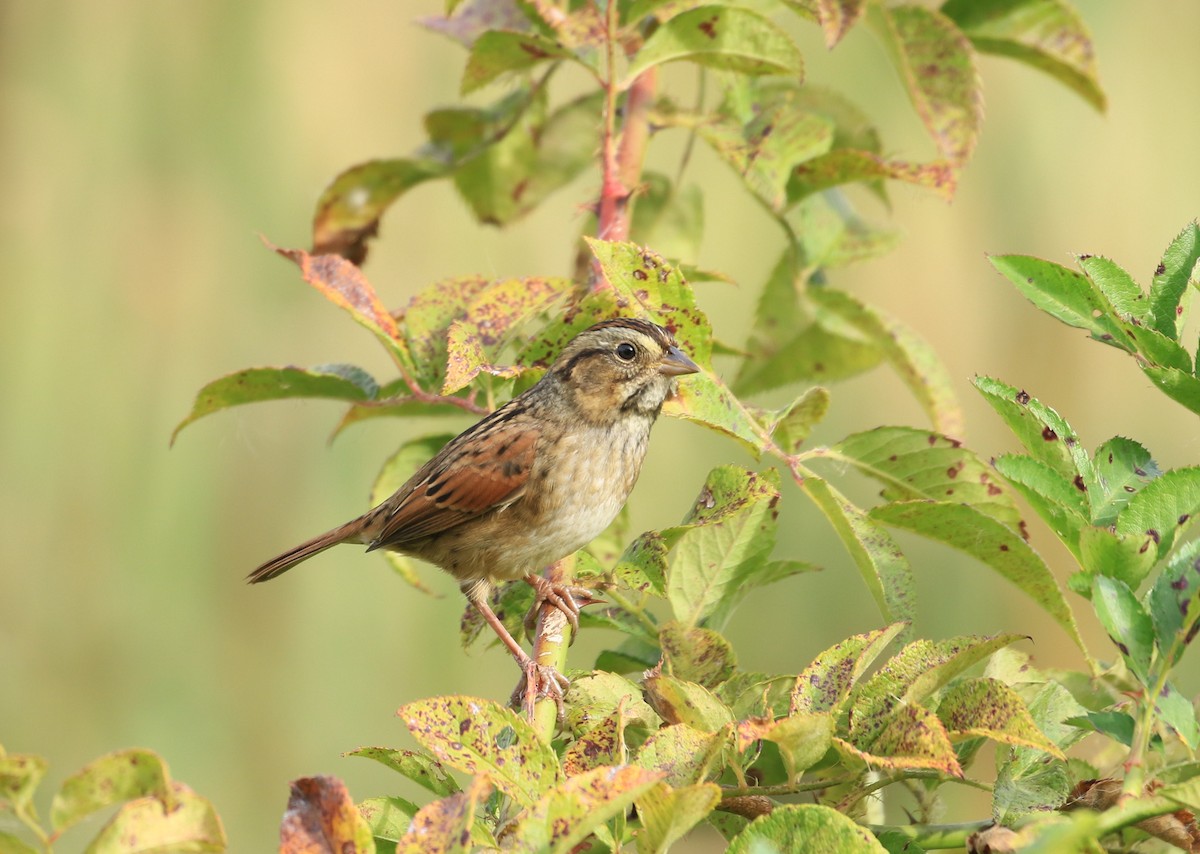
(1143, 730)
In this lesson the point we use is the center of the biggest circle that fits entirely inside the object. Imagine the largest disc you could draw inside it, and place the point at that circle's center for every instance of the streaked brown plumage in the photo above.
(531, 483)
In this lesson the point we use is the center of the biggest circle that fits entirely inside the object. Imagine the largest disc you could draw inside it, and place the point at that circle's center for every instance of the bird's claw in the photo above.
(539, 680)
(567, 598)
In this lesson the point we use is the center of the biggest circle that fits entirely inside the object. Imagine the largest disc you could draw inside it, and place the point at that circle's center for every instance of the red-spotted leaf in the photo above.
(682, 754)
(595, 696)
(937, 65)
(567, 815)
(1174, 603)
(987, 708)
(1049, 35)
(253, 385)
(911, 737)
(479, 736)
(349, 210)
(185, 822)
(912, 676)
(421, 768)
(825, 684)
(1102, 551)
(465, 20)
(1127, 623)
(111, 779)
(603, 744)
(1123, 467)
(321, 817)
(836, 17)
(20, 775)
(851, 166)
(498, 52)
(805, 827)
(989, 541)
(913, 463)
(723, 37)
(467, 359)
(444, 826)
(1163, 508)
(696, 654)
(1177, 268)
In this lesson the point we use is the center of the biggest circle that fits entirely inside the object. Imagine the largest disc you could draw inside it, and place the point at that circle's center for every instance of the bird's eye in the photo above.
(626, 351)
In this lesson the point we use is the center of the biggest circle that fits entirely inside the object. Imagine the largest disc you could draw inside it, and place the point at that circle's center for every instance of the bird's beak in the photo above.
(675, 364)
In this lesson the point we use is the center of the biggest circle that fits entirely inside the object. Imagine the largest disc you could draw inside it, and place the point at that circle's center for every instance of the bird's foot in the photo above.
(539, 680)
(567, 598)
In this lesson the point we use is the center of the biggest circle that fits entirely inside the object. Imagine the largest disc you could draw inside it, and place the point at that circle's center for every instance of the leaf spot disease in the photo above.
(1079, 484)
(1023, 397)
(1048, 434)
(709, 27)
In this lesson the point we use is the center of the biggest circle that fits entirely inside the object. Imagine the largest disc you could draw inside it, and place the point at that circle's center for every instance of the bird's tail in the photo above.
(350, 532)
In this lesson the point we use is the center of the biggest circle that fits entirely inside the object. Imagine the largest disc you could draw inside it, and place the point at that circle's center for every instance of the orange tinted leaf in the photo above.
(187, 823)
(849, 166)
(912, 738)
(990, 709)
(345, 286)
(444, 826)
(322, 818)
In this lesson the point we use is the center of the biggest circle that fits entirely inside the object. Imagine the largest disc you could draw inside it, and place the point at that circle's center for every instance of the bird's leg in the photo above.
(568, 598)
(537, 680)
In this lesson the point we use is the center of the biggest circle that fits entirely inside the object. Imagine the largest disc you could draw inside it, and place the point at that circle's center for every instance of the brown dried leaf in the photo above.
(322, 819)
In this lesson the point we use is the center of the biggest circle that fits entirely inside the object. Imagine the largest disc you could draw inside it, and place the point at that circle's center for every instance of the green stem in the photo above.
(552, 639)
(639, 613)
(1135, 782)
(933, 836)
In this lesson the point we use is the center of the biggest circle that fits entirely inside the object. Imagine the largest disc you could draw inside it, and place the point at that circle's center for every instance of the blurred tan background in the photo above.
(144, 146)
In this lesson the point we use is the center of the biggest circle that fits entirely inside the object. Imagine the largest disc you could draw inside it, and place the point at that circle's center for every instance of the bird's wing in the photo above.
(480, 470)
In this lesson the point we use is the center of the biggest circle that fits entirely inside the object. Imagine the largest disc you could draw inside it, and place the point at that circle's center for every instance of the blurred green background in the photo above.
(144, 147)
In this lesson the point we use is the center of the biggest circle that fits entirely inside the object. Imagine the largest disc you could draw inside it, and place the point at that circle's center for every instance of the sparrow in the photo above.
(531, 483)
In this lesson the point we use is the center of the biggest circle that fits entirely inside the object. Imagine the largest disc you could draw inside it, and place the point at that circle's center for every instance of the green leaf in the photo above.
(803, 738)
(684, 755)
(851, 166)
(111, 779)
(1171, 279)
(1123, 293)
(1065, 295)
(20, 775)
(1045, 434)
(1176, 710)
(793, 424)
(816, 353)
(831, 236)
(937, 65)
(696, 654)
(1163, 508)
(479, 736)
(805, 827)
(913, 463)
(667, 217)
(350, 208)
(568, 814)
(1178, 385)
(722, 37)
(987, 708)
(253, 385)
(1025, 782)
(825, 684)
(421, 768)
(1102, 551)
(184, 822)
(724, 545)
(880, 562)
(1127, 624)
(10, 844)
(989, 541)
(668, 814)
(1174, 603)
(1048, 35)
(594, 696)
(388, 818)
(1122, 467)
(678, 701)
(1061, 504)
(445, 825)
(913, 360)
(499, 52)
